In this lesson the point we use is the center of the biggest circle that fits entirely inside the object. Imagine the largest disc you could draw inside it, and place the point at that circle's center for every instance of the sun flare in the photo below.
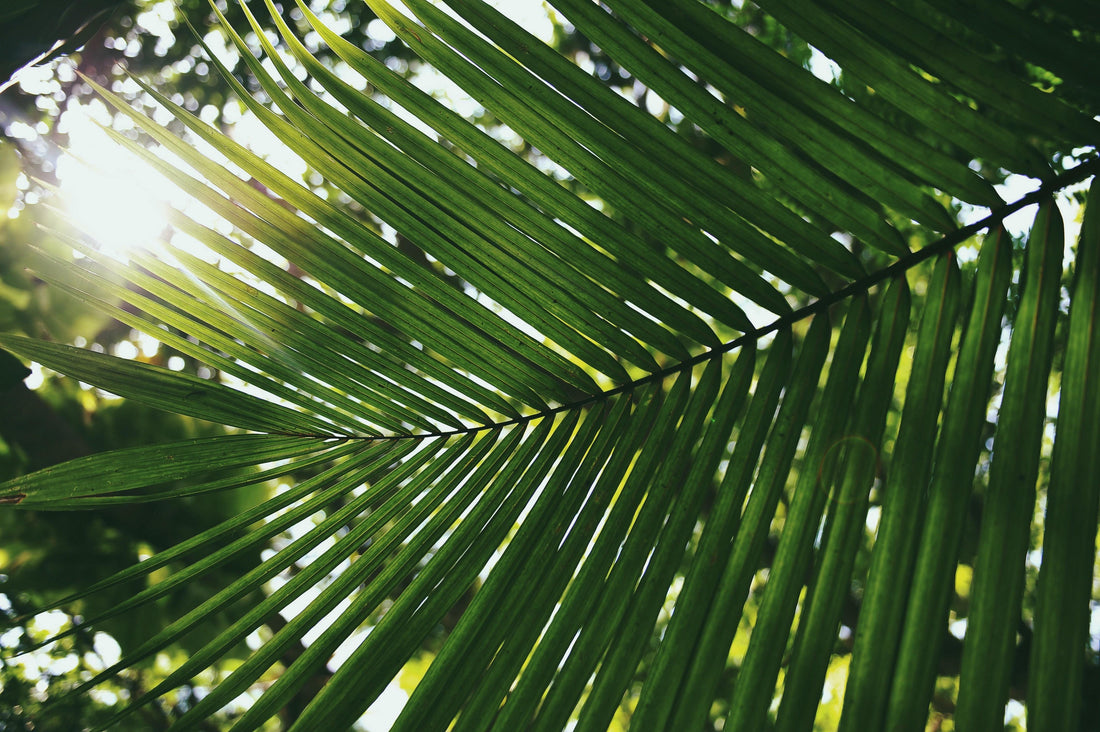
(109, 194)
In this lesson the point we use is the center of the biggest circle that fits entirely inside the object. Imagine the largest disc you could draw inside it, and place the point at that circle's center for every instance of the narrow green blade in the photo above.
(1066, 576)
(1009, 505)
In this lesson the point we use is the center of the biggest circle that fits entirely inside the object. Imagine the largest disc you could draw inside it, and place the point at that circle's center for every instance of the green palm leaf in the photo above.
(589, 438)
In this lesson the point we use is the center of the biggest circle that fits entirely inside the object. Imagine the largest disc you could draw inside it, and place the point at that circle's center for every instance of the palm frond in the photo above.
(588, 441)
